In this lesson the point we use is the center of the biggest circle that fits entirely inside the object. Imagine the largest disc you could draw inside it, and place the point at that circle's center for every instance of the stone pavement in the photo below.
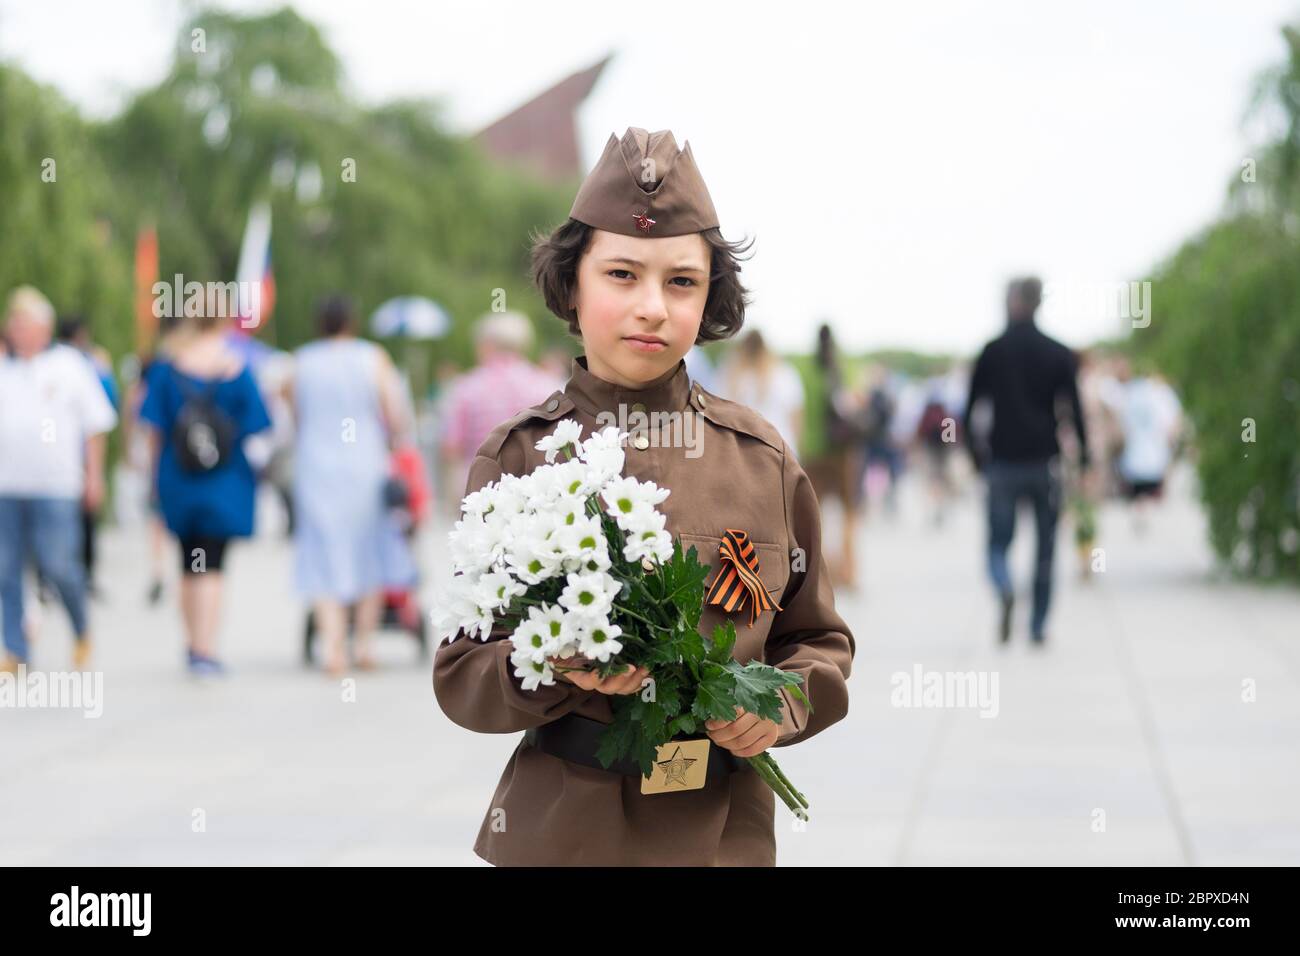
(1125, 741)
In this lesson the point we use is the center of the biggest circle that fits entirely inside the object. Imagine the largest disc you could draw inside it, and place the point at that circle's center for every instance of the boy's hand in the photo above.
(627, 682)
(748, 735)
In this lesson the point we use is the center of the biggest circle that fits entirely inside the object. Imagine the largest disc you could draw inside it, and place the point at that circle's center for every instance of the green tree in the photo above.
(372, 202)
(55, 231)
(1226, 328)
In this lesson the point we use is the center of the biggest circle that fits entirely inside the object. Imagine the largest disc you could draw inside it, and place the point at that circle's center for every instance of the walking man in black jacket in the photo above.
(1024, 373)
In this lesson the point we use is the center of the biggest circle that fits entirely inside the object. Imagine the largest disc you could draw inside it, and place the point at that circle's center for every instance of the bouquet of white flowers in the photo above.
(576, 558)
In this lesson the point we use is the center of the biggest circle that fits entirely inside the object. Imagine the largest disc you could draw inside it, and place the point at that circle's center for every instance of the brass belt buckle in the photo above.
(679, 765)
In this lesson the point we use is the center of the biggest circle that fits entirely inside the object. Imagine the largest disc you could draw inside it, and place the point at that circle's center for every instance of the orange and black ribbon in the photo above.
(738, 580)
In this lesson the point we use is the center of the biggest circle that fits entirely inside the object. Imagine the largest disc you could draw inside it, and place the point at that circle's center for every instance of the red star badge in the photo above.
(643, 221)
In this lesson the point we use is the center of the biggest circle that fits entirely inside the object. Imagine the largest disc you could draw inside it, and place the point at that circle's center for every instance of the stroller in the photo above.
(408, 496)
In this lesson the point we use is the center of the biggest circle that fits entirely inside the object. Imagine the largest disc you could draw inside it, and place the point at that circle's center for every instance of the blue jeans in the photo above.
(1009, 483)
(49, 529)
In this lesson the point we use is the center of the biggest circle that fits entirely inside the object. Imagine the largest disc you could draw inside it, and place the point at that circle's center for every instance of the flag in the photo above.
(256, 281)
(146, 274)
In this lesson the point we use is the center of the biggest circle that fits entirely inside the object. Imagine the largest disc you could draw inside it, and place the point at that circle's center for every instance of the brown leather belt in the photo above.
(576, 738)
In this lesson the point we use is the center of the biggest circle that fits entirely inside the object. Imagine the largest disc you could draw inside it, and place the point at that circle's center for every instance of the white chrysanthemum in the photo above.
(647, 538)
(600, 561)
(569, 479)
(643, 518)
(629, 500)
(578, 478)
(545, 529)
(496, 589)
(532, 564)
(656, 545)
(531, 640)
(532, 554)
(597, 639)
(474, 544)
(603, 439)
(603, 453)
(590, 595)
(445, 618)
(533, 674)
(569, 510)
(558, 636)
(456, 610)
(477, 502)
(508, 500)
(567, 433)
(580, 542)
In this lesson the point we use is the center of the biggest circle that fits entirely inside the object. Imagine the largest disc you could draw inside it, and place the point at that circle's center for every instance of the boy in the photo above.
(641, 272)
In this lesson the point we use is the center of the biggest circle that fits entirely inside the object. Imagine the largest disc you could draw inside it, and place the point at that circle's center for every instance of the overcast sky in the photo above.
(894, 165)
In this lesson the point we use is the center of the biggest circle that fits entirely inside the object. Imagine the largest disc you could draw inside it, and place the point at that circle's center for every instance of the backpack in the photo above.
(203, 435)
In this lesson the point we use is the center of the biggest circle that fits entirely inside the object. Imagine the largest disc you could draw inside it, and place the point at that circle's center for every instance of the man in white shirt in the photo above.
(53, 419)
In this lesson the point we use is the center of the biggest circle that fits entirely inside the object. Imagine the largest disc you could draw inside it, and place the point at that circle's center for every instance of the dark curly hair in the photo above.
(556, 255)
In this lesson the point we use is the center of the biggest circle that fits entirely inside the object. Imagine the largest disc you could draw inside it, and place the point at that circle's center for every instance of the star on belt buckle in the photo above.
(679, 765)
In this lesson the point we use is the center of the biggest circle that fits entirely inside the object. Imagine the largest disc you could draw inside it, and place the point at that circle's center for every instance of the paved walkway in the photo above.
(1125, 741)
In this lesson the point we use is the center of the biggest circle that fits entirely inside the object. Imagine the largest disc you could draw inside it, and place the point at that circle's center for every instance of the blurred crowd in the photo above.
(211, 414)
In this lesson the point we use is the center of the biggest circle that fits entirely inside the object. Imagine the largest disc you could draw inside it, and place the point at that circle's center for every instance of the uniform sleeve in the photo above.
(474, 680)
(808, 635)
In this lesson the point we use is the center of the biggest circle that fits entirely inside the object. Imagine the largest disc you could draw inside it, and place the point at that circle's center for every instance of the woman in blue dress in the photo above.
(348, 547)
(203, 402)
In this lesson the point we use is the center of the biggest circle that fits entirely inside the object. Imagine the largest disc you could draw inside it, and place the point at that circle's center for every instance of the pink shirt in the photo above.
(486, 396)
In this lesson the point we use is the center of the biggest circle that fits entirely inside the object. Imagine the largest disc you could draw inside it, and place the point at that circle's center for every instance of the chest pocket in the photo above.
(773, 569)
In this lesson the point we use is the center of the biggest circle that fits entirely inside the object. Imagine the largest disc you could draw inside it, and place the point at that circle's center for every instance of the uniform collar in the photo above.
(670, 392)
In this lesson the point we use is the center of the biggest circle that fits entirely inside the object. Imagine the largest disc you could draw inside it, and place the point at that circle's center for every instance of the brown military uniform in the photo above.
(741, 475)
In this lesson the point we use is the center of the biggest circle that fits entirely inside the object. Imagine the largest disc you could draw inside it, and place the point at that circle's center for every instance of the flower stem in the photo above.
(650, 599)
(776, 768)
(643, 620)
(772, 775)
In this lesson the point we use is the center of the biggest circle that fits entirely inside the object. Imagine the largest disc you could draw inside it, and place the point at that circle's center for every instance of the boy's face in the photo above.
(631, 290)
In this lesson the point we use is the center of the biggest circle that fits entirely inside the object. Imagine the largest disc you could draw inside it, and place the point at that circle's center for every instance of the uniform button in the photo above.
(638, 407)
(699, 398)
(647, 564)
(553, 404)
(641, 441)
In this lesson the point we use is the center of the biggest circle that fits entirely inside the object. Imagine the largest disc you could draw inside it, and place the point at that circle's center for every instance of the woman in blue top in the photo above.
(205, 490)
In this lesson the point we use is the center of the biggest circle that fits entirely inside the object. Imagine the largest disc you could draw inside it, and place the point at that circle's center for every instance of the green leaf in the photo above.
(618, 738)
(684, 578)
(689, 643)
(715, 698)
(756, 688)
(681, 724)
(668, 693)
(646, 752)
(661, 652)
(724, 640)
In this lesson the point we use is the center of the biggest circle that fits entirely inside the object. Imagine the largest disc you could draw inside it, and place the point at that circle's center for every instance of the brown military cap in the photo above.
(644, 186)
